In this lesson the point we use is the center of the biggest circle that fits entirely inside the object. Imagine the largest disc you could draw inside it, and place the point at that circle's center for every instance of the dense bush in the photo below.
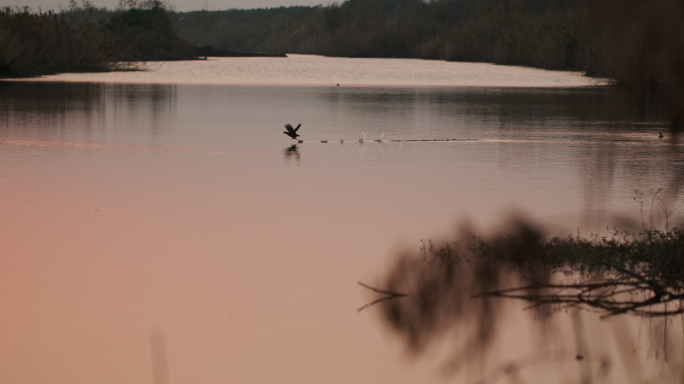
(85, 38)
(638, 44)
(244, 30)
(40, 43)
(149, 34)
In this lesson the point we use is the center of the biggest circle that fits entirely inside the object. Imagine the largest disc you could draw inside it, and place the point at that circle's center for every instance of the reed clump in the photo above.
(42, 43)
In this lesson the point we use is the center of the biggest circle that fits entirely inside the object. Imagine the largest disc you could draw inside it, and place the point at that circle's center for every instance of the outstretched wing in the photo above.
(289, 128)
(300, 124)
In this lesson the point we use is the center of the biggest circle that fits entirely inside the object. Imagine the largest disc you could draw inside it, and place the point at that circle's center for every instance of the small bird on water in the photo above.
(660, 135)
(292, 132)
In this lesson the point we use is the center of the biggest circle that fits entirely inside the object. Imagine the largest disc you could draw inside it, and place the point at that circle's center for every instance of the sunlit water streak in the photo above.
(317, 70)
(170, 200)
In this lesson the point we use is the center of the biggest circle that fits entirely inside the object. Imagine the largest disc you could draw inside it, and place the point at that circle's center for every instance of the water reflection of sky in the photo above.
(130, 207)
(322, 71)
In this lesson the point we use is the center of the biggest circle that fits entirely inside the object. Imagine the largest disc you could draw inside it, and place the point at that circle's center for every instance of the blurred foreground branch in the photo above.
(389, 296)
(635, 294)
(456, 287)
(640, 273)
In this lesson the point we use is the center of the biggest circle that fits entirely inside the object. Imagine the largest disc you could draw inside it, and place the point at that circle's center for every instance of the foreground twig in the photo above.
(638, 296)
(390, 295)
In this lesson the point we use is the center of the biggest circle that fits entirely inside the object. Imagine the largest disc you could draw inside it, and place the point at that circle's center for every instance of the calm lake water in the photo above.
(165, 211)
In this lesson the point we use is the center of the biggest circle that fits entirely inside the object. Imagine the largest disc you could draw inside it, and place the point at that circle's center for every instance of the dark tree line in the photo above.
(635, 42)
(150, 34)
(84, 38)
(32, 44)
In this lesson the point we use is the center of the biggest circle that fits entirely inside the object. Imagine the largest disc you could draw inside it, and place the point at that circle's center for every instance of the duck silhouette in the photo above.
(292, 132)
(660, 135)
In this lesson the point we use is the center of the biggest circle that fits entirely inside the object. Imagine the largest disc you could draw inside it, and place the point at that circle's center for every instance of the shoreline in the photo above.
(329, 71)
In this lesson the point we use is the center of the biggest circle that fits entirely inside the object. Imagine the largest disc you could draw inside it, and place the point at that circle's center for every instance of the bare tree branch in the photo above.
(390, 295)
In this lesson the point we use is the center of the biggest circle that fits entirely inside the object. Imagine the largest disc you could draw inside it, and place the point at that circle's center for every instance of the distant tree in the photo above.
(149, 32)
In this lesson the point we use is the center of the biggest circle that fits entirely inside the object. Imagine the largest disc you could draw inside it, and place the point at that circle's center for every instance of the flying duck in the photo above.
(292, 132)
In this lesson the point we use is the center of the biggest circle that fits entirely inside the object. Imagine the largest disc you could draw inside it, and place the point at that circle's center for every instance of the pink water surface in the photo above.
(173, 208)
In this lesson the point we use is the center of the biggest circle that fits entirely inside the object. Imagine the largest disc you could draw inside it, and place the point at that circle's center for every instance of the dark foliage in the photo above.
(42, 43)
(634, 43)
(241, 30)
(81, 40)
(149, 34)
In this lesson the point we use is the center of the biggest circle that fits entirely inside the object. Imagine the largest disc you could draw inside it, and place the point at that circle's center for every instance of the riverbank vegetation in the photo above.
(635, 43)
(34, 44)
(148, 33)
(86, 39)
(638, 43)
